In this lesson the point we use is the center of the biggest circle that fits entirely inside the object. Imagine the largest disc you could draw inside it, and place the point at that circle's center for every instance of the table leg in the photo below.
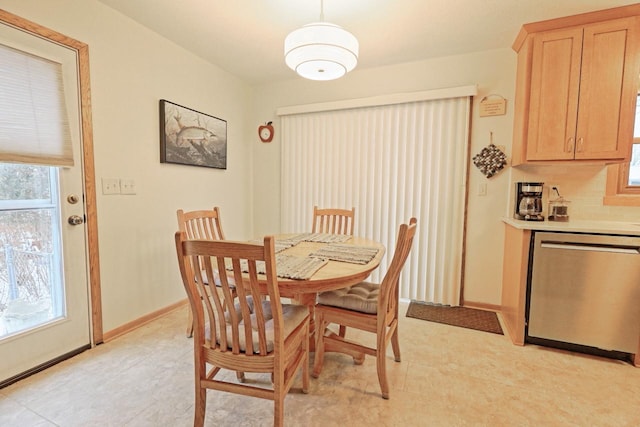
(310, 301)
(334, 346)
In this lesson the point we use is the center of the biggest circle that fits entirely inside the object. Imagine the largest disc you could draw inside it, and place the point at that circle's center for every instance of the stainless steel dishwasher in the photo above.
(584, 293)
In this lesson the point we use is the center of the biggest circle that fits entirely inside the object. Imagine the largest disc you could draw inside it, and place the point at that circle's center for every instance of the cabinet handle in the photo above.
(580, 147)
(570, 145)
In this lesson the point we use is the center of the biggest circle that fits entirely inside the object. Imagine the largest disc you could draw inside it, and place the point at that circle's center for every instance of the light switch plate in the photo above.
(110, 186)
(127, 186)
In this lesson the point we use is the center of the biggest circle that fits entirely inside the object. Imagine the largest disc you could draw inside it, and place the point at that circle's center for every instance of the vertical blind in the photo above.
(34, 126)
(390, 162)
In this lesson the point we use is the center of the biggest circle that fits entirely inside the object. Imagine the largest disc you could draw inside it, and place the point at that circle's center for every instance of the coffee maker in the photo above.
(528, 206)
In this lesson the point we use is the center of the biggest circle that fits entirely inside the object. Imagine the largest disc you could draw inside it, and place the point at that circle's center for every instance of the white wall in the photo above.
(131, 69)
(492, 71)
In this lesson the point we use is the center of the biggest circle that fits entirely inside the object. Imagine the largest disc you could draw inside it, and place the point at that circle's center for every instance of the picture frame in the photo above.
(189, 137)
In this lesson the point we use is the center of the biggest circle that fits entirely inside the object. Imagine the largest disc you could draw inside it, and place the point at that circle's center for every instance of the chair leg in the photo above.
(395, 344)
(200, 406)
(190, 324)
(278, 400)
(381, 364)
(319, 357)
(305, 362)
(343, 331)
(278, 411)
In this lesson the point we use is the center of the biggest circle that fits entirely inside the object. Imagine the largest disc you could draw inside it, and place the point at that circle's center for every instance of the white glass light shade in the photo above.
(321, 51)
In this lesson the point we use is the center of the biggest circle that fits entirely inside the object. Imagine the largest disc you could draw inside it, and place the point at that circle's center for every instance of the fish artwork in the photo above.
(192, 138)
(192, 134)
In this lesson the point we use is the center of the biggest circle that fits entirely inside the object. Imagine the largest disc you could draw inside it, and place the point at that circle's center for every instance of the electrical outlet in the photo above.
(127, 186)
(110, 186)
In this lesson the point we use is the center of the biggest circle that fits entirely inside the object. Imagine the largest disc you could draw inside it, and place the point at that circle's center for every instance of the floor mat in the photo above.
(464, 317)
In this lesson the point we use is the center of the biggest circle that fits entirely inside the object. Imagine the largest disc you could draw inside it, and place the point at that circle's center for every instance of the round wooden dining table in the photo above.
(331, 276)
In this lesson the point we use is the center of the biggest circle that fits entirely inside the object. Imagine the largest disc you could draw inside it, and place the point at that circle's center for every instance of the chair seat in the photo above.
(362, 297)
(292, 316)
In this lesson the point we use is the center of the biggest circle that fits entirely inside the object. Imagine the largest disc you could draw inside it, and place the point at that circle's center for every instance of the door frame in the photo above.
(91, 219)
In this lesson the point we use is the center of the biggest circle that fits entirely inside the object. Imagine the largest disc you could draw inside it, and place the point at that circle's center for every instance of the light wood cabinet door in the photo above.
(582, 95)
(555, 86)
(608, 89)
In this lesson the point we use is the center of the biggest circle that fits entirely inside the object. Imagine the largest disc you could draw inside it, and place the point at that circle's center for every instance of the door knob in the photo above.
(75, 220)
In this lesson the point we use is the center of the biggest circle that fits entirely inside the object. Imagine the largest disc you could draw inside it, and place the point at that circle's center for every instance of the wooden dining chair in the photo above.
(248, 333)
(334, 221)
(200, 224)
(369, 307)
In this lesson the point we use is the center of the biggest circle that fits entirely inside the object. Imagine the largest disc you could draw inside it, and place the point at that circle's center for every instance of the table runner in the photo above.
(346, 253)
(289, 267)
(286, 243)
(313, 237)
(279, 245)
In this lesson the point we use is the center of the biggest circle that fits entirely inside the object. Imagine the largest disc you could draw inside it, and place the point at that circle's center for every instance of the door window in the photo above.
(31, 288)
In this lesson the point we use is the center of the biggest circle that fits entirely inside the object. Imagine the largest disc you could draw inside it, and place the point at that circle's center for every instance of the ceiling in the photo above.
(246, 37)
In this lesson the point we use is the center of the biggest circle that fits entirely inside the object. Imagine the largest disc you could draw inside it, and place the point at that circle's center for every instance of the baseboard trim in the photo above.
(483, 306)
(134, 324)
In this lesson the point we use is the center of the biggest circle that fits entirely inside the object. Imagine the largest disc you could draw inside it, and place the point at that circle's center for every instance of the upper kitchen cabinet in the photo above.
(576, 87)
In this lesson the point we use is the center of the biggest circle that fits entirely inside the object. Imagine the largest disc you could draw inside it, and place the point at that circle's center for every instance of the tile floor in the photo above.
(448, 377)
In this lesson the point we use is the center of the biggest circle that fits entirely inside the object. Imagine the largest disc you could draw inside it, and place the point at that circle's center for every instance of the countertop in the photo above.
(578, 226)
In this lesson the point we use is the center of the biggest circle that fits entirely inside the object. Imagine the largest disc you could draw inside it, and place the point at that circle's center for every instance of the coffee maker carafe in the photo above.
(528, 206)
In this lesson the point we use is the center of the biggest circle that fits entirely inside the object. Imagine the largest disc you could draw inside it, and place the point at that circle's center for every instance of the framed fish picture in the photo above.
(189, 137)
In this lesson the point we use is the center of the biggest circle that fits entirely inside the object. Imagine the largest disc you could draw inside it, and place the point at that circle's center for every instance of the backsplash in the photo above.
(583, 186)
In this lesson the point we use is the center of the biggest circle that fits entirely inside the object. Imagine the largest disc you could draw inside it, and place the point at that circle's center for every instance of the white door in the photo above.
(44, 304)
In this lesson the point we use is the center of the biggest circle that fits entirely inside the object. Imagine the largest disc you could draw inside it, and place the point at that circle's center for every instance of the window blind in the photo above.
(390, 162)
(34, 126)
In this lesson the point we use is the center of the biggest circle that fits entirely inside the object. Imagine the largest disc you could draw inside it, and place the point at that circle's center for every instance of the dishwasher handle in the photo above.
(594, 247)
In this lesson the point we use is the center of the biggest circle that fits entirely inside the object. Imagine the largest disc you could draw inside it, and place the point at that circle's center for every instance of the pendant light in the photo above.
(320, 50)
